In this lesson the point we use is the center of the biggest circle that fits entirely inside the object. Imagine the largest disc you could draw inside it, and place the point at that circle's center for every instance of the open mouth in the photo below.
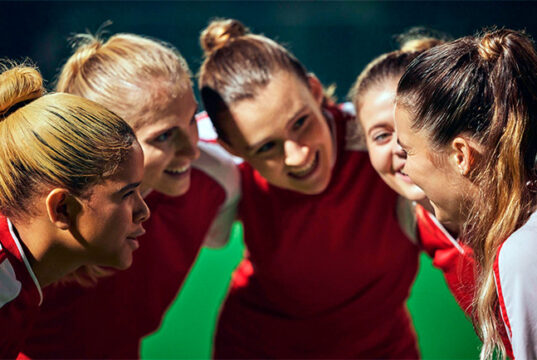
(179, 171)
(306, 170)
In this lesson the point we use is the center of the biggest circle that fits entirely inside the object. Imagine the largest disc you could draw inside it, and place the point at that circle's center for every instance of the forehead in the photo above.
(378, 107)
(172, 110)
(271, 109)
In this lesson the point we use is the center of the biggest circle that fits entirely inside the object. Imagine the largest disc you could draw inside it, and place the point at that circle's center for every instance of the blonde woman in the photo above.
(190, 187)
(70, 174)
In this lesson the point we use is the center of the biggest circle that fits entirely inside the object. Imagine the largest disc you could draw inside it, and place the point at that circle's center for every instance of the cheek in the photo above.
(381, 158)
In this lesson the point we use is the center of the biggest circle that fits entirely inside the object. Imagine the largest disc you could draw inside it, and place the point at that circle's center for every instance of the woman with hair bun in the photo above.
(328, 269)
(70, 172)
(373, 96)
(466, 118)
(191, 188)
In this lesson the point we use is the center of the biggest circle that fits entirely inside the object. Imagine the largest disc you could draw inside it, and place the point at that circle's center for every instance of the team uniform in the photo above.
(109, 319)
(327, 275)
(452, 257)
(20, 293)
(515, 273)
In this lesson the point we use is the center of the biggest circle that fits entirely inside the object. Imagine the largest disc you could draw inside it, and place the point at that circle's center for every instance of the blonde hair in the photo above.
(113, 72)
(483, 86)
(52, 140)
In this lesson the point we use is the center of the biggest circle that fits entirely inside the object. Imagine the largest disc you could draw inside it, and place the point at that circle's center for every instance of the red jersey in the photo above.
(109, 319)
(327, 275)
(20, 293)
(452, 257)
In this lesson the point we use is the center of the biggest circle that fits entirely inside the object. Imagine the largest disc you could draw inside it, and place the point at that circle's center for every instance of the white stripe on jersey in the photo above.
(220, 166)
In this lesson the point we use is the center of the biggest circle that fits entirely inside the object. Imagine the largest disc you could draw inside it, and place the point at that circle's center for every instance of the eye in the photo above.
(127, 194)
(164, 136)
(382, 137)
(266, 147)
(298, 124)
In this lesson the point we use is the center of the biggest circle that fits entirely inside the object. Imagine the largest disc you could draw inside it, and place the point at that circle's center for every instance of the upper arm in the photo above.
(516, 283)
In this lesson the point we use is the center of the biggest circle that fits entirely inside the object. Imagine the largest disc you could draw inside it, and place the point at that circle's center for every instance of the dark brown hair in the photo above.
(485, 87)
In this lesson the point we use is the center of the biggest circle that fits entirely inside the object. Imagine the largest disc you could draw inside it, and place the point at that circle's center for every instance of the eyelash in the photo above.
(128, 194)
(164, 136)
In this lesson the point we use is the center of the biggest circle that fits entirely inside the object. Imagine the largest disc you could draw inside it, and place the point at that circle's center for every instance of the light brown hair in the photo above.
(483, 86)
(238, 64)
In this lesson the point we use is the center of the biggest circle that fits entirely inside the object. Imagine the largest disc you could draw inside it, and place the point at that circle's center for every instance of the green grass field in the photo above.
(187, 329)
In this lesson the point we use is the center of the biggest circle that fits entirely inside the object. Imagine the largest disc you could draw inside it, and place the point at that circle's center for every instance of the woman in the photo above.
(465, 116)
(373, 96)
(328, 268)
(57, 218)
(191, 192)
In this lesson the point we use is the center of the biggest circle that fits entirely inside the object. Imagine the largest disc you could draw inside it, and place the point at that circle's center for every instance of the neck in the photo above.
(48, 256)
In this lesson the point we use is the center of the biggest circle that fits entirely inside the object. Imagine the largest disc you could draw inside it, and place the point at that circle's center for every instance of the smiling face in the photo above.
(283, 134)
(169, 140)
(376, 116)
(436, 172)
(111, 217)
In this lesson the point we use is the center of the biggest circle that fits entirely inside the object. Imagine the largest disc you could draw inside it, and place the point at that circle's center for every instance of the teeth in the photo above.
(305, 169)
(179, 170)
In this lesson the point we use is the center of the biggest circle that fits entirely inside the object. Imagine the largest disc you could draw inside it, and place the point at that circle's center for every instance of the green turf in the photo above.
(187, 329)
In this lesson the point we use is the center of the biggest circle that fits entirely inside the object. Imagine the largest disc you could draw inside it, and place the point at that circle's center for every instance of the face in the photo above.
(111, 217)
(283, 134)
(169, 141)
(376, 117)
(433, 171)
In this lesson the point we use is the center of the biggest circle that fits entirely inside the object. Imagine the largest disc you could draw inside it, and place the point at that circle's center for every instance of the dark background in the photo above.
(335, 40)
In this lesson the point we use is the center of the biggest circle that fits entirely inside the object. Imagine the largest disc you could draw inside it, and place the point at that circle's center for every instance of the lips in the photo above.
(132, 241)
(307, 169)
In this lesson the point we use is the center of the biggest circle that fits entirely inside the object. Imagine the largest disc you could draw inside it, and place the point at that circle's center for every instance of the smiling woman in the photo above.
(466, 116)
(191, 189)
(326, 256)
(57, 218)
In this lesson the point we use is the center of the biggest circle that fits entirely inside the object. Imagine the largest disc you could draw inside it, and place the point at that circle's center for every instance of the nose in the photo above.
(187, 147)
(397, 150)
(141, 211)
(294, 153)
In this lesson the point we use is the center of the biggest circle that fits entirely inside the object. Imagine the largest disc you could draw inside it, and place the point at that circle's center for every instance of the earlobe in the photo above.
(58, 208)
(463, 155)
(316, 88)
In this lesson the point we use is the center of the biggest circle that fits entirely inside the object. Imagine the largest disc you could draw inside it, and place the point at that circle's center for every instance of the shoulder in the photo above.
(519, 252)
(9, 285)
(345, 115)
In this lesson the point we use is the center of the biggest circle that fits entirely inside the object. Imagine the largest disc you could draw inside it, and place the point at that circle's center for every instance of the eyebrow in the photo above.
(380, 125)
(250, 148)
(129, 187)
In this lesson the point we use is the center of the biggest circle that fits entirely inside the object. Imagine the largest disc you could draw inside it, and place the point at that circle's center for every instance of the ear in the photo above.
(463, 155)
(227, 147)
(316, 88)
(57, 205)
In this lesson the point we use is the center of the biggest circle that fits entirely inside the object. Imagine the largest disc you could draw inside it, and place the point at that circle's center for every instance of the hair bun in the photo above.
(219, 33)
(420, 44)
(19, 84)
(418, 39)
(493, 44)
(87, 45)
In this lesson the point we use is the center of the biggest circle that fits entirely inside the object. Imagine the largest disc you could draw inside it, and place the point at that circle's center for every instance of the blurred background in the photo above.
(333, 39)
